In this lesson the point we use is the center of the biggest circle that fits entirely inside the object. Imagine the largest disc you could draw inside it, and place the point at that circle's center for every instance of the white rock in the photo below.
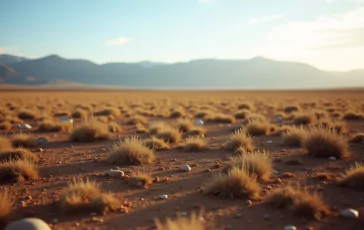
(66, 119)
(275, 171)
(268, 142)
(332, 158)
(290, 227)
(42, 140)
(26, 126)
(164, 196)
(16, 125)
(28, 224)
(350, 213)
(115, 173)
(184, 213)
(186, 168)
(198, 122)
(278, 119)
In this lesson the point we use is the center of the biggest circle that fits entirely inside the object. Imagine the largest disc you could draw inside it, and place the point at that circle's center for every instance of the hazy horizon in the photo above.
(326, 34)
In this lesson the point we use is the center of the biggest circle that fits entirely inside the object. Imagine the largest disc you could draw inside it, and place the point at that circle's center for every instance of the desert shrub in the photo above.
(18, 171)
(258, 127)
(177, 113)
(140, 128)
(357, 138)
(51, 126)
(114, 127)
(27, 114)
(242, 114)
(85, 196)
(6, 207)
(61, 114)
(137, 120)
(156, 144)
(324, 142)
(291, 108)
(353, 115)
(303, 118)
(293, 137)
(23, 140)
(247, 106)
(90, 130)
(197, 131)
(194, 143)
(235, 184)
(5, 143)
(237, 140)
(184, 223)
(131, 151)
(113, 112)
(320, 114)
(301, 202)
(353, 177)
(17, 153)
(79, 113)
(140, 179)
(156, 127)
(170, 135)
(5, 125)
(184, 125)
(204, 113)
(221, 118)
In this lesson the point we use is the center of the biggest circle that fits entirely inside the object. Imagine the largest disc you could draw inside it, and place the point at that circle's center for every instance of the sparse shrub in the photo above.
(353, 115)
(18, 171)
(257, 164)
(303, 119)
(184, 223)
(85, 196)
(156, 127)
(140, 128)
(353, 177)
(15, 154)
(131, 151)
(357, 138)
(90, 130)
(324, 142)
(27, 114)
(114, 127)
(258, 127)
(5, 126)
(204, 113)
(293, 137)
(61, 114)
(255, 117)
(184, 125)
(79, 113)
(51, 126)
(113, 112)
(6, 207)
(5, 143)
(170, 135)
(140, 179)
(156, 144)
(23, 140)
(221, 118)
(137, 120)
(292, 108)
(242, 114)
(194, 143)
(302, 203)
(177, 113)
(324, 176)
(235, 184)
(247, 106)
(237, 140)
(197, 131)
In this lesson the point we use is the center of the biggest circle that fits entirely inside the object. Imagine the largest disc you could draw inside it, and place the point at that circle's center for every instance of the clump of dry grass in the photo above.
(257, 127)
(19, 170)
(27, 114)
(131, 151)
(140, 179)
(257, 164)
(17, 153)
(292, 108)
(177, 113)
(293, 137)
(114, 127)
(140, 128)
(353, 115)
(301, 202)
(194, 143)
(197, 131)
(90, 130)
(111, 111)
(242, 114)
(156, 144)
(237, 183)
(6, 126)
(79, 113)
(325, 142)
(246, 106)
(156, 127)
(353, 177)
(61, 114)
(204, 113)
(5, 143)
(304, 118)
(85, 196)
(51, 126)
(237, 140)
(137, 120)
(6, 207)
(184, 125)
(170, 134)
(357, 138)
(23, 140)
(184, 223)
(221, 118)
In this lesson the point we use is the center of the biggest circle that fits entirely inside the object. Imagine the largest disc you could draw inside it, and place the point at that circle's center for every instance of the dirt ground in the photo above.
(63, 161)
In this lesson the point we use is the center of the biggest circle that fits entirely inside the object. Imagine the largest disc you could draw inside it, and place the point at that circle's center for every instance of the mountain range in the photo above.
(255, 73)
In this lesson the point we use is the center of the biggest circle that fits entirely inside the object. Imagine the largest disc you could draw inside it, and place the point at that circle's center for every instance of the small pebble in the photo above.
(163, 197)
(290, 227)
(186, 168)
(350, 213)
(332, 158)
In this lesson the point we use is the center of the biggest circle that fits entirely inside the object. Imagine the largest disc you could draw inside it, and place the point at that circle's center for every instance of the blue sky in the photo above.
(328, 34)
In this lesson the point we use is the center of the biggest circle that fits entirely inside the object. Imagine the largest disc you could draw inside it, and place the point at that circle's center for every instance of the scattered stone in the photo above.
(278, 118)
(39, 150)
(275, 171)
(186, 168)
(290, 227)
(207, 170)
(115, 173)
(249, 202)
(350, 213)
(184, 213)
(332, 158)
(278, 181)
(66, 119)
(42, 140)
(28, 224)
(198, 123)
(269, 142)
(163, 197)
(25, 126)
(238, 215)
(55, 220)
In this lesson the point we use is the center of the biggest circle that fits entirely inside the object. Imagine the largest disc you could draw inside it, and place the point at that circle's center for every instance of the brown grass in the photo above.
(177, 113)
(27, 114)
(353, 115)
(293, 137)
(292, 108)
(357, 138)
(131, 151)
(6, 207)
(19, 171)
(79, 113)
(15, 154)
(353, 177)
(324, 142)
(156, 127)
(23, 140)
(51, 126)
(170, 134)
(237, 140)
(113, 112)
(6, 126)
(140, 179)
(302, 203)
(304, 118)
(136, 119)
(221, 118)
(184, 125)
(184, 223)
(235, 184)
(156, 144)
(114, 127)
(242, 114)
(197, 131)
(257, 127)
(247, 106)
(5, 143)
(194, 144)
(90, 130)
(85, 196)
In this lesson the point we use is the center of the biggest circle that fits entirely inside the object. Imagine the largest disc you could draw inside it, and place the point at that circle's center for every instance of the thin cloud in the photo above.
(268, 18)
(117, 41)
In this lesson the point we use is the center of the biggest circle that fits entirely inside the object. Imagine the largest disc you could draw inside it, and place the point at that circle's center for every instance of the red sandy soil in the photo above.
(62, 161)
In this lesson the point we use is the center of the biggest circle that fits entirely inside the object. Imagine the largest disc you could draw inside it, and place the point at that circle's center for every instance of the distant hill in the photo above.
(7, 59)
(255, 73)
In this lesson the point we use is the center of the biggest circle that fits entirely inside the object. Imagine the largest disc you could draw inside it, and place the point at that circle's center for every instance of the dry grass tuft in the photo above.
(51, 126)
(184, 223)
(221, 118)
(79, 113)
(6, 207)
(114, 127)
(242, 114)
(184, 125)
(247, 106)
(352, 115)
(15, 154)
(6, 126)
(177, 113)
(156, 127)
(156, 144)
(325, 142)
(136, 119)
(291, 108)
(257, 127)
(27, 114)
(293, 137)
(237, 140)
(304, 118)
(194, 144)
(170, 135)
(197, 131)
(302, 203)
(257, 164)
(23, 140)
(113, 112)
(131, 151)
(353, 177)
(5, 143)
(235, 184)
(90, 130)
(19, 171)
(357, 138)
(140, 179)
(85, 196)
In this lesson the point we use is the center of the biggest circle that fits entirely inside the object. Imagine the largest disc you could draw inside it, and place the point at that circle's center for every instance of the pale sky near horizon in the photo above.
(328, 34)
